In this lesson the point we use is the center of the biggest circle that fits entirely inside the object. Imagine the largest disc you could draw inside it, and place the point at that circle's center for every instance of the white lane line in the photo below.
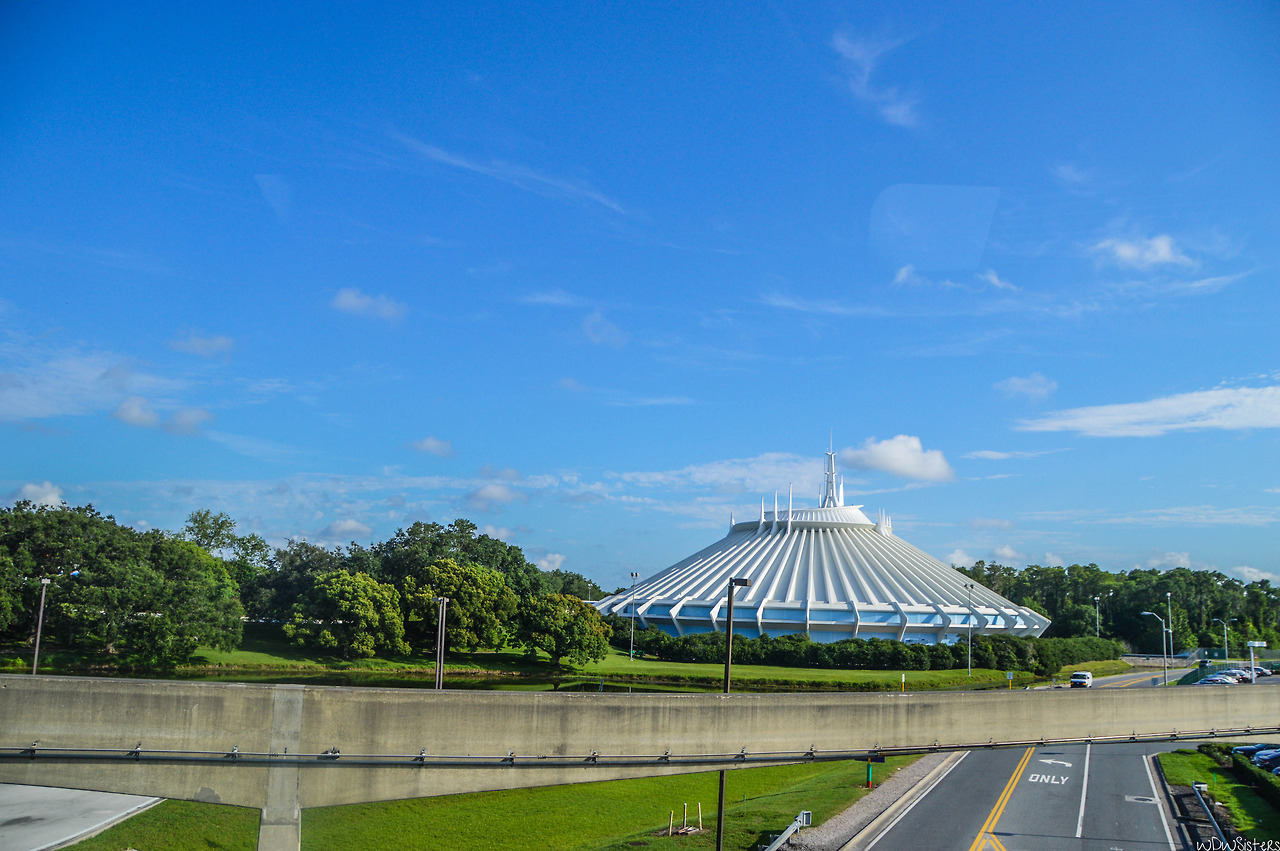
(918, 799)
(1146, 763)
(1084, 790)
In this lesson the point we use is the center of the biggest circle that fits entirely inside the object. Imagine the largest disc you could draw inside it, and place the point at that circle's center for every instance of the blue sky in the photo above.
(596, 276)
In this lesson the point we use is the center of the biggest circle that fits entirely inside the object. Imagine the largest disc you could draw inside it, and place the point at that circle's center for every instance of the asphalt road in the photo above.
(1102, 797)
(33, 817)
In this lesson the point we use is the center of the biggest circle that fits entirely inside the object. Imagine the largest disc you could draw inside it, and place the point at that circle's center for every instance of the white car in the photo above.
(1082, 679)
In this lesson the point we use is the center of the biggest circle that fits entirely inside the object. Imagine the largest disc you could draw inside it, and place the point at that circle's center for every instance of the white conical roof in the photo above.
(828, 571)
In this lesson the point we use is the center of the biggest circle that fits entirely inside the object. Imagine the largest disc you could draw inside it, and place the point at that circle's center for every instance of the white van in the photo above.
(1082, 679)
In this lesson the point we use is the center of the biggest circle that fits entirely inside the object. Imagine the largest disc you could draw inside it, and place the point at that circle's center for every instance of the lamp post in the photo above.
(1168, 601)
(1163, 658)
(1097, 615)
(968, 622)
(1225, 653)
(44, 584)
(444, 605)
(734, 584)
(634, 577)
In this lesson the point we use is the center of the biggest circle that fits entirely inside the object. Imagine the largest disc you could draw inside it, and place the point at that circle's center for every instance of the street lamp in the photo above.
(44, 584)
(1163, 658)
(1225, 654)
(634, 577)
(444, 605)
(968, 622)
(1097, 615)
(734, 584)
(1168, 600)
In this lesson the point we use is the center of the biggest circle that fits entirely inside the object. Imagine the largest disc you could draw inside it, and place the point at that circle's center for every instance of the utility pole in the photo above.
(632, 654)
(734, 585)
(44, 583)
(968, 586)
(444, 604)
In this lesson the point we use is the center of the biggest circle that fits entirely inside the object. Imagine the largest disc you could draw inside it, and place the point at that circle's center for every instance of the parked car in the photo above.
(1250, 750)
(1082, 679)
(1218, 680)
(1260, 671)
(1267, 759)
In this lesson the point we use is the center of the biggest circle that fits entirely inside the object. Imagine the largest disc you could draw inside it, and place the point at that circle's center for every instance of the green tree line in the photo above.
(1195, 597)
(148, 599)
(1042, 656)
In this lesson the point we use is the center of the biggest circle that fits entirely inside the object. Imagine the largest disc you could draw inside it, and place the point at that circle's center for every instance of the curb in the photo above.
(907, 799)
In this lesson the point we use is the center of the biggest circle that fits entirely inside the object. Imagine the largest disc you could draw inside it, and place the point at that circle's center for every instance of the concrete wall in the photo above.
(95, 713)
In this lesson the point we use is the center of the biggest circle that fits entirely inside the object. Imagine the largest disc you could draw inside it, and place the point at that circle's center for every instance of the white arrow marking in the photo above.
(1056, 762)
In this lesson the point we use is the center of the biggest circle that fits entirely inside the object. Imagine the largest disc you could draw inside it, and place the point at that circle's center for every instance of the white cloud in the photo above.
(995, 281)
(40, 382)
(352, 300)
(551, 561)
(1142, 253)
(187, 421)
(961, 559)
(1034, 386)
(991, 523)
(1168, 561)
(500, 533)
(433, 446)
(903, 455)
(44, 493)
(1008, 554)
(1252, 574)
(489, 496)
(860, 57)
(207, 347)
(345, 530)
(1223, 408)
(603, 332)
(1053, 560)
(135, 410)
(758, 475)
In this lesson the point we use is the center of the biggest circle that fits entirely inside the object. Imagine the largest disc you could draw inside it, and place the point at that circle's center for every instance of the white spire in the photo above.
(775, 512)
(788, 507)
(831, 498)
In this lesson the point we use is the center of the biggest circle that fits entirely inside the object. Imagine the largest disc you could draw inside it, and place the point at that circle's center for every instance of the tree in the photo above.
(563, 627)
(350, 613)
(480, 604)
(214, 532)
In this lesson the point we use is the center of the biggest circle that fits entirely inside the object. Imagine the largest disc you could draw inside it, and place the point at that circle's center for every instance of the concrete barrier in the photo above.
(265, 746)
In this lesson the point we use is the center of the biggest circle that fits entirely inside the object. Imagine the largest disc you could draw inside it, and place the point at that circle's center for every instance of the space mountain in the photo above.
(828, 571)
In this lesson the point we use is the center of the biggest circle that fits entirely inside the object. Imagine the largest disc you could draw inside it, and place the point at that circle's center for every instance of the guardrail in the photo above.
(803, 820)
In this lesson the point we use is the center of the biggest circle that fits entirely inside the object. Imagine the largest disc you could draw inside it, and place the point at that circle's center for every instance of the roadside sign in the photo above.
(1008, 675)
(1255, 643)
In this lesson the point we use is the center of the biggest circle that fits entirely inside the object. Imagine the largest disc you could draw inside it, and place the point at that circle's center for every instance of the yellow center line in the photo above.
(983, 838)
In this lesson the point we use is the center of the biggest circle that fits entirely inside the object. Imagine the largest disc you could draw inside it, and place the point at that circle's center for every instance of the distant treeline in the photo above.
(1196, 597)
(147, 599)
(1042, 656)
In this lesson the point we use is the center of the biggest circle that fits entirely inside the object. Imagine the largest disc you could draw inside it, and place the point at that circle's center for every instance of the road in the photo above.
(34, 817)
(1103, 797)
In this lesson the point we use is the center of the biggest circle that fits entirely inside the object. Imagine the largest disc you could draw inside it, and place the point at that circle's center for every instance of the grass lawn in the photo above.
(621, 814)
(1253, 817)
(180, 826)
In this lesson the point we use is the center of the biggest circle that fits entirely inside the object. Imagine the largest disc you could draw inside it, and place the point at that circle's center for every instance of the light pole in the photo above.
(1163, 658)
(1168, 600)
(734, 584)
(968, 622)
(1225, 654)
(444, 605)
(44, 584)
(634, 577)
(1097, 615)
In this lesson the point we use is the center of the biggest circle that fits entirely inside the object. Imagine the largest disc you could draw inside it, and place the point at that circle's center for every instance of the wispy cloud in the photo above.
(903, 455)
(277, 193)
(553, 298)
(515, 175)
(993, 455)
(137, 411)
(1142, 253)
(859, 60)
(493, 495)
(603, 332)
(610, 396)
(1034, 386)
(433, 446)
(352, 300)
(40, 493)
(1224, 408)
(205, 347)
(38, 382)
(829, 308)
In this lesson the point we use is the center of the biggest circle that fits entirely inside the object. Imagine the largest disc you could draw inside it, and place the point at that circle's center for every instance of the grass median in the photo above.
(615, 815)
